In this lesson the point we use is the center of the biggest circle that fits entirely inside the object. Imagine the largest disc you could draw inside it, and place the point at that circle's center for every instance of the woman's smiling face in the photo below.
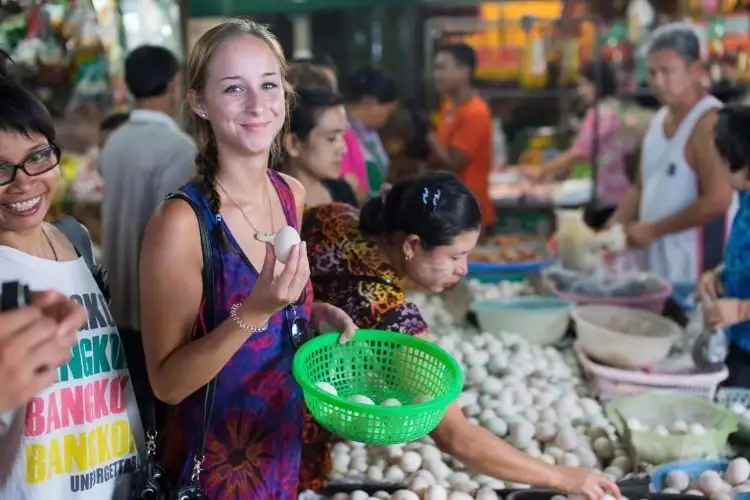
(24, 203)
(243, 96)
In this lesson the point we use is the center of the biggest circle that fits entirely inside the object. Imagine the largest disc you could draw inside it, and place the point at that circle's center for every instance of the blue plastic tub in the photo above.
(693, 468)
(495, 272)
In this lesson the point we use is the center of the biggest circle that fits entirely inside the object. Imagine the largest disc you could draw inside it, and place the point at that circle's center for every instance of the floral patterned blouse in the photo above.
(349, 271)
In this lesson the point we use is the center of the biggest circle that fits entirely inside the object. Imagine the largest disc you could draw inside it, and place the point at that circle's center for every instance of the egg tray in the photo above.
(635, 489)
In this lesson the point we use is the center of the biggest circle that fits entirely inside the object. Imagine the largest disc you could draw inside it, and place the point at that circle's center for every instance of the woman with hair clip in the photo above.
(421, 230)
(371, 99)
(314, 146)
(239, 100)
(83, 391)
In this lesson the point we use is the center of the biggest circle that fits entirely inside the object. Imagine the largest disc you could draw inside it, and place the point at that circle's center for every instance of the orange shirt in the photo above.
(468, 128)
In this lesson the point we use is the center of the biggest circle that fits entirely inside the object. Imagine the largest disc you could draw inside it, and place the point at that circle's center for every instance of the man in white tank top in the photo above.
(676, 211)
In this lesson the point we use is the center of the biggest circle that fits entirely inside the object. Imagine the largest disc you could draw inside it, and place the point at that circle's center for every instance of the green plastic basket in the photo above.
(379, 365)
(664, 409)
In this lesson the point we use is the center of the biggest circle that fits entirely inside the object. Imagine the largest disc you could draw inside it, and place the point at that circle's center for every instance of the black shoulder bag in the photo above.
(149, 480)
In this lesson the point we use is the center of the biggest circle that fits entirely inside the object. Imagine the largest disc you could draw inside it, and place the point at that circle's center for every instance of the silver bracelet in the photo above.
(244, 326)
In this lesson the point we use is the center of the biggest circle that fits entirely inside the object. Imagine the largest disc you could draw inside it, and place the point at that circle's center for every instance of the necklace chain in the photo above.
(260, 236)
(49, 242)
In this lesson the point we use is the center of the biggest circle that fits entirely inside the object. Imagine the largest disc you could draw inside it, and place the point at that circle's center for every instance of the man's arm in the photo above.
(627, 210)
(446, 158)
(715, 193)
(475, 124)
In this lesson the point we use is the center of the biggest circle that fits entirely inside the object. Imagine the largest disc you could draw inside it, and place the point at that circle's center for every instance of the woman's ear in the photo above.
(291, 145)
(409, 246)
(196, 104)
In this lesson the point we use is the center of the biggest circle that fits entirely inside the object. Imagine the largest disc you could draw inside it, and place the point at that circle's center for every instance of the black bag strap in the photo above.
(208, 297)
(79, 237)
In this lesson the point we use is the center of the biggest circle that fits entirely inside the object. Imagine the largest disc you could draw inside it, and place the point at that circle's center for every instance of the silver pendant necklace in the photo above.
(259, 235)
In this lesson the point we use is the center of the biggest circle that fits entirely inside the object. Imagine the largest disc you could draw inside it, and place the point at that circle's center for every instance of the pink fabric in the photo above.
(611, 180)
(353, 164)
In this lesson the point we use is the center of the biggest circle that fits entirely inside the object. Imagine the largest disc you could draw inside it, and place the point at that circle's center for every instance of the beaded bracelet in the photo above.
(244, 326)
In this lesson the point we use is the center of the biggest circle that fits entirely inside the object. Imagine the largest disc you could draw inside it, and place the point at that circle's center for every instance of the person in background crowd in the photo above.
(146, 158)
(463, 142)
(309, 72)
(421, 229)
(239, 99)
(371, 99)
(314, 146)
(323, 63)
(726, 290)
(47, 256)
(111, 123)
(676, 209)
(612, 183)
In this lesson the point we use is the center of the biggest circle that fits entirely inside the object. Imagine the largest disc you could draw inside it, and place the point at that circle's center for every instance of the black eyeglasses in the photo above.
(298, 327)
(35, 164)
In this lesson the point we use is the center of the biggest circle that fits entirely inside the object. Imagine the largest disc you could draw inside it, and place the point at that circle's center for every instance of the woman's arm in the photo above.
(485, 453)
(171, 293)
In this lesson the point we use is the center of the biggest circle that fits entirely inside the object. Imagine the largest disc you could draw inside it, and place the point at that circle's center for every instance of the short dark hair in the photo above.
(113, 121)
(437, 207)
(463, 54)
(368, 81)
(21, 111)
(730, 136)
(680, 37)
(149, 69)
(319, 60)
(309, 103)
(601, 75)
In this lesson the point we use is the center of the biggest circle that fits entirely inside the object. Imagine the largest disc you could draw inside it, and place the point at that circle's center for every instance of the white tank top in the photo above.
(80, 434)
(669, 185)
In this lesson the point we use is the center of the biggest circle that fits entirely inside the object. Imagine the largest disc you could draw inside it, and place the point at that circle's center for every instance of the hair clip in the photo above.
(435, 199)
(426, 196)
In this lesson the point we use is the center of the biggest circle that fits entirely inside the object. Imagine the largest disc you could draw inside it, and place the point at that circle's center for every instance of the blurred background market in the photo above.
(530, 58)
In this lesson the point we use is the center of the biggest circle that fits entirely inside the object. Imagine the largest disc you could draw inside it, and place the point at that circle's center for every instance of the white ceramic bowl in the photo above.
(541, 320)
(624, 337)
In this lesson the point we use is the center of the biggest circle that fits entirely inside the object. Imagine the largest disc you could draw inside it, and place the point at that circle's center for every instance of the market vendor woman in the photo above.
(727, 289)
(423, 230)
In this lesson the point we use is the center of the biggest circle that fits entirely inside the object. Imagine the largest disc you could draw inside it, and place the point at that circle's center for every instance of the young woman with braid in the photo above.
(238, 97)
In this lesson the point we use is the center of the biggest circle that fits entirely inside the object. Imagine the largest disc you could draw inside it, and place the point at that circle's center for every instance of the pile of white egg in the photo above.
(717, 486)
(502, 290)
(531, 396)
(676, 428)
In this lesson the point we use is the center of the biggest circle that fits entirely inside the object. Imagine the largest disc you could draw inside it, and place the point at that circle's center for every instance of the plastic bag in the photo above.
(710, 348)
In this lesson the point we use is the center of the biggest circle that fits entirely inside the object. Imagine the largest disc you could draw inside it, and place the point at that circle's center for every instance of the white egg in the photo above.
(325, 386)
(661, 430)
(283, 242)
(359, 398)
(459, 495)
(603, 448)
(404, 495)
(486, 493)
(382, 495)
(738, 471)
(391, 402)
(696, 429)
(374, 473)
(710, 482)
(359, 495)
(677, 479)
(678, 427)
(418, 484)
(567, 439)
(435, 492)
(394, 474)
(697, 493)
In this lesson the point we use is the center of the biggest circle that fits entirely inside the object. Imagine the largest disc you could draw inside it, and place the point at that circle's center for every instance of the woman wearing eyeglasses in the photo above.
(90, 396)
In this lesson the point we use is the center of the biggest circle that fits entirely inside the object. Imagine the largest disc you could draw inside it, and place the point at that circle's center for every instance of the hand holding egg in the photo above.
(272, 292)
